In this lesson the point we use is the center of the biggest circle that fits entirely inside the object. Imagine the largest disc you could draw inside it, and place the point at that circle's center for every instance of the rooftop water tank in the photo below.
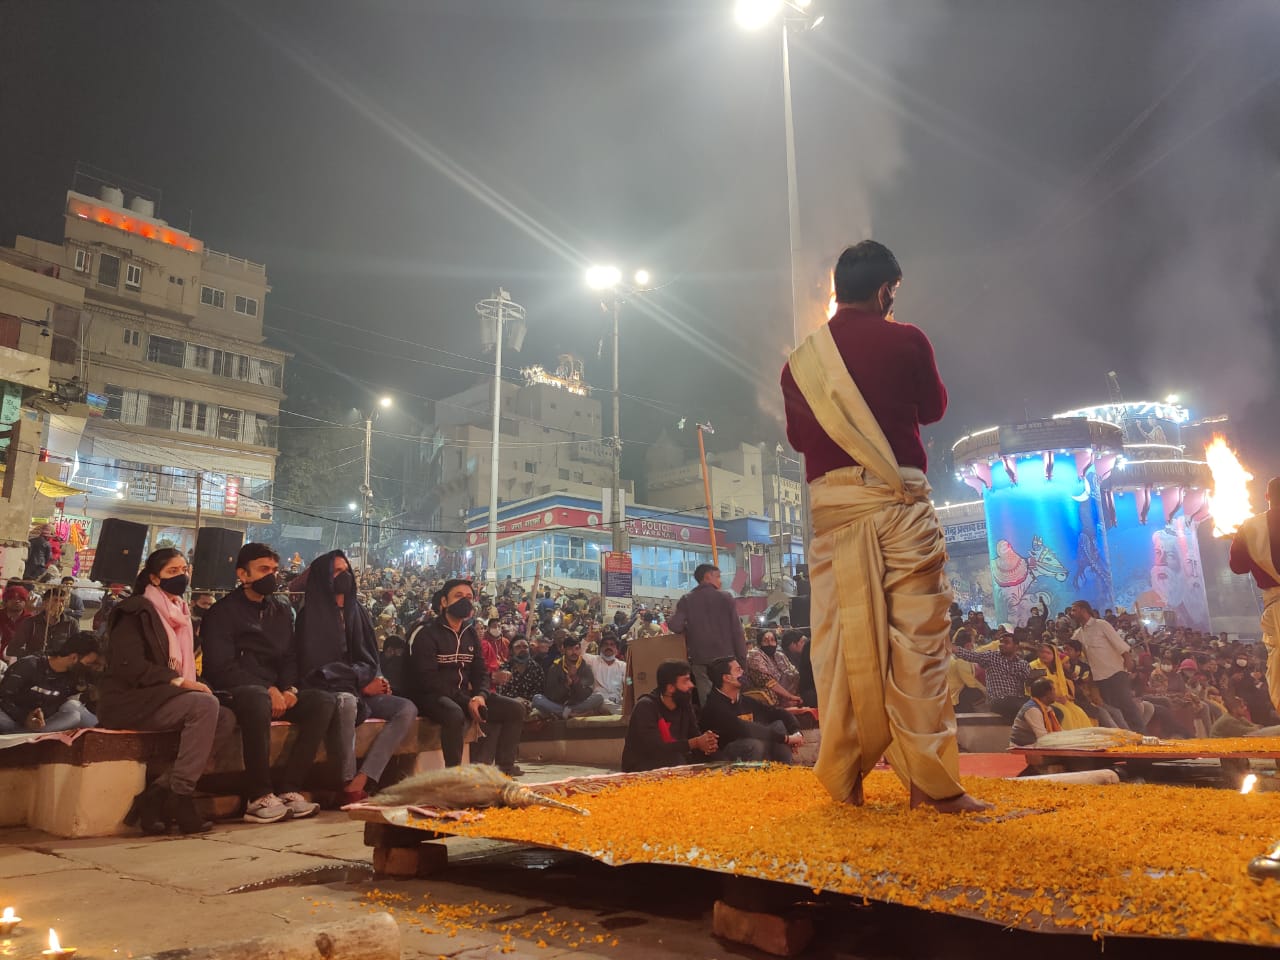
(143, 207)
(112, 196)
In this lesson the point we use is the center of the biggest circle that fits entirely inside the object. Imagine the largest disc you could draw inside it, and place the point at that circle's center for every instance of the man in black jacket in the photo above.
(338, 652)
(570, 684)
(712, 629)
(746, 728)
(36, 692)
(450, 683)
(251, 660)
(663, 730)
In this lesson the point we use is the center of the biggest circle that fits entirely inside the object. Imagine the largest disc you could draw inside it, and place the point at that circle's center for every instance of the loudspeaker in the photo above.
(214, 565)
(118, 556)
(800, 612)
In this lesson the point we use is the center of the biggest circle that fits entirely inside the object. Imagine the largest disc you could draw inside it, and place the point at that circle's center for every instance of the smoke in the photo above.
(1206, 307)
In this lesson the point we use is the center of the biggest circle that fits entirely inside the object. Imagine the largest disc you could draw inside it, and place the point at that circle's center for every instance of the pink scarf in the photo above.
(177, 625)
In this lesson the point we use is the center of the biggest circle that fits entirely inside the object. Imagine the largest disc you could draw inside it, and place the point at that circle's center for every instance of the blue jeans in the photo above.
(588, 706)
(70, 716)
(399, 714)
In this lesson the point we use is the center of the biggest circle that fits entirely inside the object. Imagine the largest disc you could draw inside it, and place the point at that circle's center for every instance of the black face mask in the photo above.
(461, 609)
(768, 649)
(343, 582)
(265, 586)
(175, 586)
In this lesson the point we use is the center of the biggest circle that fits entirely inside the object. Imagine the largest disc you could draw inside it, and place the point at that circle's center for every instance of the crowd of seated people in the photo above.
(324, 647)
(1111, 669)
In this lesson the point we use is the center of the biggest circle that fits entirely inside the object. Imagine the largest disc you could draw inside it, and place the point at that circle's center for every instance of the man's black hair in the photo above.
(791, 637)
(254, 551)
(669, 671)
(862, 269)
(448, 588)
(1040, 687)
(702, 570)
(718, 669)
(572, 640)
(82, 643)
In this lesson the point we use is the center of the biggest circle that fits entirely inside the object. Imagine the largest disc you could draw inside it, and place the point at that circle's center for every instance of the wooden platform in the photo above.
(1173, 865)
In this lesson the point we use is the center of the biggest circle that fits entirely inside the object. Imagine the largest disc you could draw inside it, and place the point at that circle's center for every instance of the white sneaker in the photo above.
(268, 809)
(298, 805)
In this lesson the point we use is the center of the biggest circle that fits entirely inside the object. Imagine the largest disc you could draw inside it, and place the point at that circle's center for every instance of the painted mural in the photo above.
(1157, 565)
(1045, 537)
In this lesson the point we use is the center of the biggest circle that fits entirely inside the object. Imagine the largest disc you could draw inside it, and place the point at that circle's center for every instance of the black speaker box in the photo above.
(118, 557)
(214, 565)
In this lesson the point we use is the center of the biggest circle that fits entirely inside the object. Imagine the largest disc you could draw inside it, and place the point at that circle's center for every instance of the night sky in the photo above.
(1071, 188)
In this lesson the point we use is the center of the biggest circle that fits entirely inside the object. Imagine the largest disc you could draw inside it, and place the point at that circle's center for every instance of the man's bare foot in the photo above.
(961, 803)
(856, 797)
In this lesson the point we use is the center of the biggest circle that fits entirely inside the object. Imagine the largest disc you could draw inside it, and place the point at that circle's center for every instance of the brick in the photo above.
(420, 861)
(782, 936)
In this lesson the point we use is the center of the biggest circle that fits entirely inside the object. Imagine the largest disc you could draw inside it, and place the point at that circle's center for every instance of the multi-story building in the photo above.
(549, 442)
(166, 356)
(30, 294)
(747, 481)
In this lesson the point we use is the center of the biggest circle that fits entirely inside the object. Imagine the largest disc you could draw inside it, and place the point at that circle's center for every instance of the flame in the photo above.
(1250, 781)
(54, 945)
(9, 915)
(1231, 505)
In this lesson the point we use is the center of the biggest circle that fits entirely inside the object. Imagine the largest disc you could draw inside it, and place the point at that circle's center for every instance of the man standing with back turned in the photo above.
(856, 392)
(1255, 549)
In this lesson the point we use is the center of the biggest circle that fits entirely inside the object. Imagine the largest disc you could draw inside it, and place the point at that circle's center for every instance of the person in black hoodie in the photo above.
(338, 652)
(663, 730)
(450, 683)
(251, 659)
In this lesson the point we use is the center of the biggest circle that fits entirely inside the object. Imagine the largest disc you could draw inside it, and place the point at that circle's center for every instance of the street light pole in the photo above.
(491, 572)
(366, 494)
(706, 490)
(621, 541)
(604, 277)
(496, 313)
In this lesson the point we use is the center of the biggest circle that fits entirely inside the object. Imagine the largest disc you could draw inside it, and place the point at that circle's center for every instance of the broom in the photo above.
(457, 788)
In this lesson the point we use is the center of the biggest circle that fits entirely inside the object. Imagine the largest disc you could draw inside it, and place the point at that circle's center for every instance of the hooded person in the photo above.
(338, 652)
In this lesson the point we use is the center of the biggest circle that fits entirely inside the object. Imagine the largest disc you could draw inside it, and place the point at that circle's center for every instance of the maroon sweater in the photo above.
(893, 366)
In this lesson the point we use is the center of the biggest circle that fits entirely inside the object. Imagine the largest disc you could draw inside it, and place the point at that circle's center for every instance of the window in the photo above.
(115, 402)
(228, 424)
(177, 280)
(65, 347)
(84, 260)
(108, 270)
(164, 350)
(195, 416)
(564, 474)
(10, 330)
(137, 338)
(247, 306)
(126, 336)
(213, 297)
(160, 412)
(201, 357)
(133, 276)
(269, 373)
(530, 467)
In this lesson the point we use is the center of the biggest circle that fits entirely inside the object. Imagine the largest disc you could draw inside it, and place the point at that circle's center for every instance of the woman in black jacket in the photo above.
(150, 684)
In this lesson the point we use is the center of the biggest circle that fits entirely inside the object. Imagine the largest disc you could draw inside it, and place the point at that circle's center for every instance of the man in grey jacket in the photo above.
(711, 627)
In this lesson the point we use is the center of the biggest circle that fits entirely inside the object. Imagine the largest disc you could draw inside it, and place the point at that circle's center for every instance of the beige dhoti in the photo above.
(1254, 533)
(880, 599)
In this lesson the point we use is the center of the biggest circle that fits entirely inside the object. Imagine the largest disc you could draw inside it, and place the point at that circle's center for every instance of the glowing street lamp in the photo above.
(643, 278)
(755, 14)
(385, 402)
(603, 277)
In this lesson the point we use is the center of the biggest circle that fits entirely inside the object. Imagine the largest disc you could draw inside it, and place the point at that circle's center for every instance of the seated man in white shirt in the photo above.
(609, 672)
